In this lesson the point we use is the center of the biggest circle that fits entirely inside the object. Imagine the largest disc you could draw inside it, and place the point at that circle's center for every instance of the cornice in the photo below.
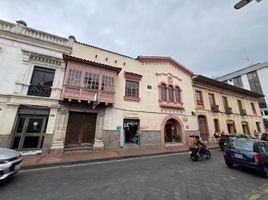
(28, 56)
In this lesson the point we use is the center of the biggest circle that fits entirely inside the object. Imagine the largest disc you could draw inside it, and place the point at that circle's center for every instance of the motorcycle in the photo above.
(204, 153)
(222, 139)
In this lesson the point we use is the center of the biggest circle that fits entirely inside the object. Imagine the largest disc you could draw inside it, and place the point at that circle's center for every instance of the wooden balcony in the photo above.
(83, 94)
(215, 108)
(228, 110)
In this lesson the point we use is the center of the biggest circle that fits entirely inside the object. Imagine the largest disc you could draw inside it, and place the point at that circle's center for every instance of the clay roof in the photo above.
(212, 82)
(84, 61)
(165, 59)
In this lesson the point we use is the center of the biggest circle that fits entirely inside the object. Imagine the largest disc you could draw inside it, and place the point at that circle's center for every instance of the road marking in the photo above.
(103, 162)
(259, 194)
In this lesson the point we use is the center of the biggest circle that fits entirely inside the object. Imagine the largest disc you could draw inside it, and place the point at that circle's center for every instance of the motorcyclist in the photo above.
(192, 142)
(199, 145)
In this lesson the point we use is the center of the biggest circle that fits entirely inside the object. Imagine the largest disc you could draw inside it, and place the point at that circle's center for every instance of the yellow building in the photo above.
(222, 107)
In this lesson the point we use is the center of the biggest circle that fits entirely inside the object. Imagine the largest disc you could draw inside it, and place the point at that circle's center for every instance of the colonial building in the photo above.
(32, 71)
(254, 78)
(222, 107)
(105, 93)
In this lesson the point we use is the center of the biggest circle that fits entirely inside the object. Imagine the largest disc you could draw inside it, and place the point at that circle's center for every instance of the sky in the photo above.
(209, 37)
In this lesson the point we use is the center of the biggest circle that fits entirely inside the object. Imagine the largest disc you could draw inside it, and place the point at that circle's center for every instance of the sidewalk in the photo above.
(75, 157)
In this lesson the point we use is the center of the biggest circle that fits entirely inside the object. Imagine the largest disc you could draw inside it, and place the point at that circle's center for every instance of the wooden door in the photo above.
(202, 121)
(81, 128)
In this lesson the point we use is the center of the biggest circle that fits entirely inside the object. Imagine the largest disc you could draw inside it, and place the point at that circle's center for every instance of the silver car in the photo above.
(10, 162)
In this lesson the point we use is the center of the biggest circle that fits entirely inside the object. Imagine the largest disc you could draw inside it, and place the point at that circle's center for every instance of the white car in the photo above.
(10, 162)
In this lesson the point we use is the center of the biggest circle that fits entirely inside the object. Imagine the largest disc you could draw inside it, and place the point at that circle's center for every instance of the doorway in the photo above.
(231, 126)
(203, 128)
(131, 126)
(172, 131)
(81, 129)
(30, 128)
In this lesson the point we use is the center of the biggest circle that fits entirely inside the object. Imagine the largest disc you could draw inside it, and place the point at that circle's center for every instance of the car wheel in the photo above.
(229, 164)
(265, 171)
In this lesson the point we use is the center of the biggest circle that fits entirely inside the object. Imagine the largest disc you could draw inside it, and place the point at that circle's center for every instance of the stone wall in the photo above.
(111, 139)
(150, 138)
(5, 141)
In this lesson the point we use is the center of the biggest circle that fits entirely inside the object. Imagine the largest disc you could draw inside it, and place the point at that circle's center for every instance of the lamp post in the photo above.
(242, 3)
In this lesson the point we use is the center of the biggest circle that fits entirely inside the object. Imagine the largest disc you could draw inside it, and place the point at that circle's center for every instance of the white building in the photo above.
(255, 78)
(32, 72)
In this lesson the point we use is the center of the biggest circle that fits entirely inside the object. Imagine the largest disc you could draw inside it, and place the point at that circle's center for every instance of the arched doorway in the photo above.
(172, 130)
(203, 128)
(231, 126)
(245, 127)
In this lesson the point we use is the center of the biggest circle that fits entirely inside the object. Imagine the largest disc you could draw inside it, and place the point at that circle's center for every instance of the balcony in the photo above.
(243, 112)
(228, 110)
(84, 94)
(215, 108)
(39, 90)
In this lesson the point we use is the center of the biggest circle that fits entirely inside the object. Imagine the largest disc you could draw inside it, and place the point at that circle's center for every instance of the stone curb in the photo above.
(64, 163)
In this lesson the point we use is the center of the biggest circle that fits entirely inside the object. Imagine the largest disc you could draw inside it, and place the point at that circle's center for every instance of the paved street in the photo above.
(162, 177)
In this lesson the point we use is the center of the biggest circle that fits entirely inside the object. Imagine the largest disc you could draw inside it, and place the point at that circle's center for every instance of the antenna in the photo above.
(248, 61)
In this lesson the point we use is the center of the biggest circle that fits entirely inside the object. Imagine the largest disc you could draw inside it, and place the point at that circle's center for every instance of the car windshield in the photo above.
(244, 145)
(263, 147)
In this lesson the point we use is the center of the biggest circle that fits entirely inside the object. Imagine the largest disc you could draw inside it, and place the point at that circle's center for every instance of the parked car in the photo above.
(10, 162)
(264, 136)
(247, 152)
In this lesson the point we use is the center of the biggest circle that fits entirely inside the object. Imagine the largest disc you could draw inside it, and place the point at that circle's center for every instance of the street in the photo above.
(169, 177)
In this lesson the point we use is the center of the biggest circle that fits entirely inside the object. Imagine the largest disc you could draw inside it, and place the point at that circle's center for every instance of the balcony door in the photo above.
(41, 82)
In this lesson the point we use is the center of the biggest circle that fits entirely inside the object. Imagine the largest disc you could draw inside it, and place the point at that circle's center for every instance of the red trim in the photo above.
(132, 98)
(150, 59)
(132, 76)
(164, 121)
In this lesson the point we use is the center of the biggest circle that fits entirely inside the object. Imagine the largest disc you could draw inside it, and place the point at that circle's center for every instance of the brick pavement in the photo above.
(52, 159)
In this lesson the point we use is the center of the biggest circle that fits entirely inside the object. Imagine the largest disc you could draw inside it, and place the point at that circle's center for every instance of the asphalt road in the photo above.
(162, 177)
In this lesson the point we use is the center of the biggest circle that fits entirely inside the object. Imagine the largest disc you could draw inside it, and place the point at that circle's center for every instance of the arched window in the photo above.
(163, 92)
(178, 94)
(171, 93)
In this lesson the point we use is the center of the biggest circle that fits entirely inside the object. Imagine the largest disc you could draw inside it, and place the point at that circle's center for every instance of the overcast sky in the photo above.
(209, 37)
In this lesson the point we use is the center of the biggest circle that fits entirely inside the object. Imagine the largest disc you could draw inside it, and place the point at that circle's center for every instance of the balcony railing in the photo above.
(215, 108)
(39, 90)
(228, 110)
(85, 94)
(243, 112)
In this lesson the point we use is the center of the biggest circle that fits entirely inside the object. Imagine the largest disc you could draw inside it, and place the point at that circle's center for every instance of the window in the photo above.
(240, 106)
(171, 93)
(225, 102)
(211, 99)
(178, 94)
(92, 81)
(74, 77)
(42, 81)
(132, 89)
(253, 108)
(238, 81)
(198, 96)
(258, 125)
(163, 92)
(107, 83)
(216, 125)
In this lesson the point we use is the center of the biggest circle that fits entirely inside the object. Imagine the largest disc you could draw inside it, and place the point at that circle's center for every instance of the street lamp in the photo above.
(242, 3)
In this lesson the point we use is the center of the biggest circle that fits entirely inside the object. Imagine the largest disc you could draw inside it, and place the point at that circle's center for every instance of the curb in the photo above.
(65, 163)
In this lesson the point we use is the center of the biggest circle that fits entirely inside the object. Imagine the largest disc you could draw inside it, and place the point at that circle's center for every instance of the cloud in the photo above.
(209, 37)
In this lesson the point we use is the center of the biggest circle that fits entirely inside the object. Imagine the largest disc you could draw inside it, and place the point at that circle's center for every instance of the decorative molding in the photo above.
(21, 29)
(132, 76)
(169, 75)
(28, 56)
